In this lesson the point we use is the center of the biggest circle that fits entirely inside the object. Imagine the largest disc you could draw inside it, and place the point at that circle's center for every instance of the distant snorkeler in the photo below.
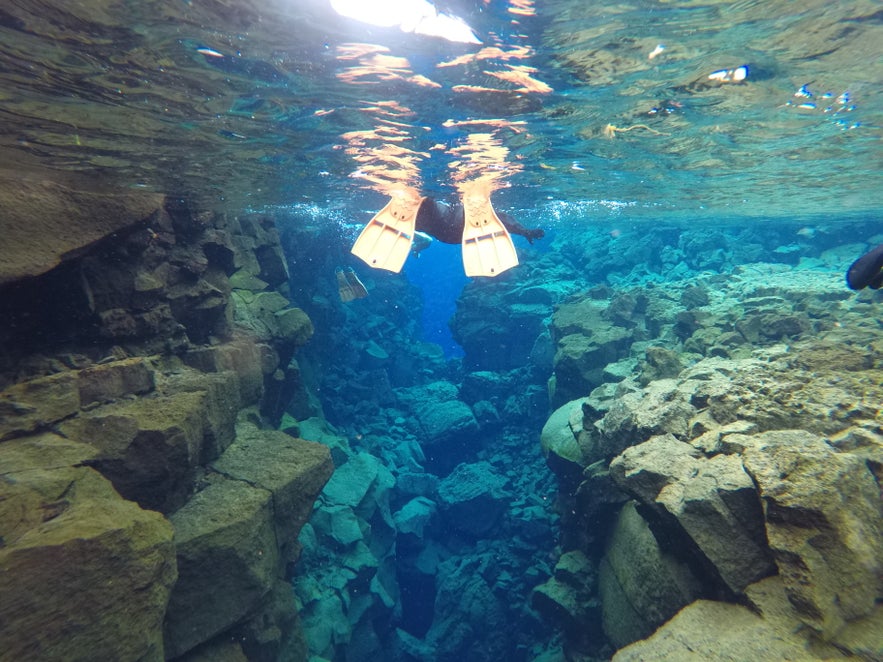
(867, 271)
(484, 234)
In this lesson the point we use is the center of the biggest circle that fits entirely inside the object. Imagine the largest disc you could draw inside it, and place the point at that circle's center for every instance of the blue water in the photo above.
(438, 273)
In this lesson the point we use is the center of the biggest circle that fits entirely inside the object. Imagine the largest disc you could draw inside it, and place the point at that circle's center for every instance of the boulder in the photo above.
(721, 632)
(351, 482)
(660, 363)
(661, 407)
(339, 524)
(47, 220)
(472, 498)
(38, 403)
(824, 523)
(293, 470)
(84, 574)
(442, 418)
(470, 620)
(293, 325)
(414, 516)
(227, 562)
(445, 422)
(46, 451)
(640, 585)
(218, 397)
(713, 502)
(580, 360)
(411, 484)
(569, 598)
(149, 448)
(559, 441)
(108, 381)
(242, 356)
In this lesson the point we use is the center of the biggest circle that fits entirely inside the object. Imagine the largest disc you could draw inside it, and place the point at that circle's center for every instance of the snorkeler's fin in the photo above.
(357, 287)
(344, 288)
(487, 247)
(386, 241)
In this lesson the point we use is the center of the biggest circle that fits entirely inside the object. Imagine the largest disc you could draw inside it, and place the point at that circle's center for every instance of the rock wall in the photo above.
(150, 511)
(726, 452)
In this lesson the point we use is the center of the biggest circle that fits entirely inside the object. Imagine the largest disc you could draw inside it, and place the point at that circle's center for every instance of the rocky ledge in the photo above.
(148, 511)
(725, 469)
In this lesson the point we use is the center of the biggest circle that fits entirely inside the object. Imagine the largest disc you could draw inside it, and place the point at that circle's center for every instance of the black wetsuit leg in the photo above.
(441, 221)
(867, 271)
(445, 222)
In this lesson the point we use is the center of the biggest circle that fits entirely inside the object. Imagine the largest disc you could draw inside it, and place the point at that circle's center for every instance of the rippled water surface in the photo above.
(606, 108)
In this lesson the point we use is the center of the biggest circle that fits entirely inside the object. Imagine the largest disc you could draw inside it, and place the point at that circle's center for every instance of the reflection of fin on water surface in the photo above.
(487, 247)
(349, 286)
(386, 241)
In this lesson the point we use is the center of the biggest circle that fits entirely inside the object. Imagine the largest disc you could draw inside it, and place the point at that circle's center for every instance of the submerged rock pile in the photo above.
(739, 426)
(149, 514)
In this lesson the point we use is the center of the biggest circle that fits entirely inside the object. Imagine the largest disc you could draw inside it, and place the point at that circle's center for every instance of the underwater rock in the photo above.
(717, 632)
(274, 270)
(470, 619)
(641, 586)
(293, 326)
(38, 403)
(374, 356)
(234, 536)
(411, 484)
(243, 280)
(46, 222)
(560, 439)
(634, 416)
(442, 417)
(768, 629)
(270, 315)
(227, 561)
(414, 516)
(219, 402)
(580, 360)
(84, 574)
(497, 324)
(243, 356)
(569, 598)
(659, 363)
(485, 385)
(354, 484)
(581, 317)
(104, 350)
(339, 525)
(110, 381)
(472, 499)
(713, 501)
(294, 470)
(824, 524)
(217, 650)
(694, 296)
(148, 448)
(487, 415)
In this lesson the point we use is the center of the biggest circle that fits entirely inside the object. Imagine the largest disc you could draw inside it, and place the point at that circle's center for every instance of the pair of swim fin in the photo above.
(386, 240)
(349, 286)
